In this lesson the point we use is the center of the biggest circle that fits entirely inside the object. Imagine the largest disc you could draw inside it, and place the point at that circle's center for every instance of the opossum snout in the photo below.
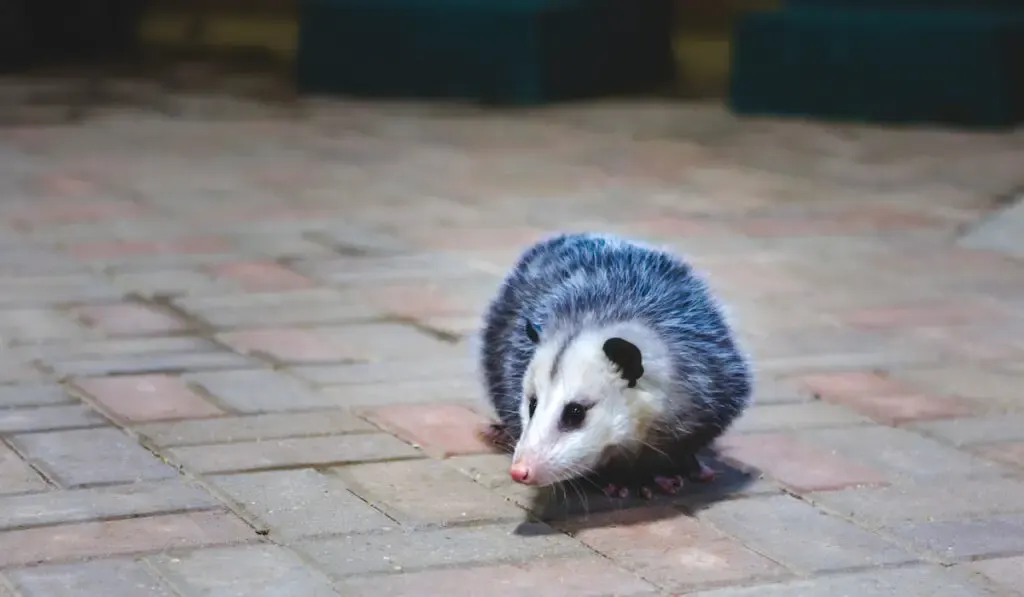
(522, 473)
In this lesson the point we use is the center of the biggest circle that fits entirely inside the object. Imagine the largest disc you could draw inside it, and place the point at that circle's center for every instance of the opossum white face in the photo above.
(583, 397)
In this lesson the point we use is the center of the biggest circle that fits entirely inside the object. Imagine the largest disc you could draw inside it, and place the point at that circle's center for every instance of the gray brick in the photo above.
(881, 506)
(27, 326)
(253, 571)
(589, 576)
(253, 427)
(772, 391)
(1008, 427)
(285, 314)
(778, 417)
(448, 390)
(419, 370)
(152, 363)
(91, 456)
(927, 580)
(18, 368)
(168, 283)
(279, 244)
(389, 342)
(995, 389)
(297, 298)
(126, 347)
(313, 451)
(425, 492)
(409, 551)
(32, 395)
(274, 309)
(109, 578)
(902, 453)
(81, 505)
(301, 503)
(960, 539)
(800, 536)
(16, 476)
(1008, 573)
(260, 390)
(55, 290)
(45, 418)
(346, 237)
(395, 268)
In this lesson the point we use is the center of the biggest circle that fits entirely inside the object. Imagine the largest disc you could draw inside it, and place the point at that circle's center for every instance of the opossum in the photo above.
(609, 360)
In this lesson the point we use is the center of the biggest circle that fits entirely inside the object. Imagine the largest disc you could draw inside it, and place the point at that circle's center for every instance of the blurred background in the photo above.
(245, 246)
(250, 47)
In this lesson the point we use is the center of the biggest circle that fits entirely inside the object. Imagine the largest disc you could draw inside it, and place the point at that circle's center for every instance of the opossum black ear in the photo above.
(626, 356)
(532, 332)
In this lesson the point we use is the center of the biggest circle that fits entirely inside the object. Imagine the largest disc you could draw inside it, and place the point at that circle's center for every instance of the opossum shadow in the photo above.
(578, 507)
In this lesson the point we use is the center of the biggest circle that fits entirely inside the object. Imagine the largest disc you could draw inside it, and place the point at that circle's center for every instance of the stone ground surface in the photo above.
(236, 354)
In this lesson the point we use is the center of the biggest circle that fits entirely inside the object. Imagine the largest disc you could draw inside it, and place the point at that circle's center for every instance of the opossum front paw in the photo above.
(700, 472)
(497, 434)
(692, 470)
(667, 485)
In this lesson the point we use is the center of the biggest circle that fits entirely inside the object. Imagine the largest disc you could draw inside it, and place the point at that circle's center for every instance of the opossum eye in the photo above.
(532, 332)
(572, 416)
(533, 405)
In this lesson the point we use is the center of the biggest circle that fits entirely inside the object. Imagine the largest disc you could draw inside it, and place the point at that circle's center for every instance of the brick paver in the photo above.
(238, 355)
(146, 398)
(115, 578)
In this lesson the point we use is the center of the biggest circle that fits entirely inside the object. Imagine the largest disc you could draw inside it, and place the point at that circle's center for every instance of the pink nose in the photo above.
(520, 473)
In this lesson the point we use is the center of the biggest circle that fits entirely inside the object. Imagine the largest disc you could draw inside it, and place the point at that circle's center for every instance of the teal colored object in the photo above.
(952, 67)
(909, 4)
(497, 51)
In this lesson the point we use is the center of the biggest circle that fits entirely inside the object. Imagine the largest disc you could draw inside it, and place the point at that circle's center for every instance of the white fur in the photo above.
(620, 416)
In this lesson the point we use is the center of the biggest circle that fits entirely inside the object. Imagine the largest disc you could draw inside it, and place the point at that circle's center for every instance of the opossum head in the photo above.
(587, 395)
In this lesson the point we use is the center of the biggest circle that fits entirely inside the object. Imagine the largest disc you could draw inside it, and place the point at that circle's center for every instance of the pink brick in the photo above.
(906, 408)
(440, 430)
(423, 301)
(1010, 452)
(918, 316)
(673, 550)
(120, 537)
(198, 245)
(802, 467)
(851, 383)
(287, 345)
(882, 399)
(263, 275)
(677, 227)
(558, 577)
(141, 398)
(129, 320)
(852, 222)
(64, 185)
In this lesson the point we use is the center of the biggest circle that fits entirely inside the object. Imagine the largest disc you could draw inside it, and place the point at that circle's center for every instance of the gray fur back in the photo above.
(576, 281)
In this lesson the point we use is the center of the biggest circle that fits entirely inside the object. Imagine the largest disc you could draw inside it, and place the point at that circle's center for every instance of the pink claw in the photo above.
(706, 474)
(610, 490)
(667, 484)
(646, 493)
(624, 493)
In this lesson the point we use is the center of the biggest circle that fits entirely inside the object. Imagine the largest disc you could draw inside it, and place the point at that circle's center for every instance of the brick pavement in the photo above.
(237, 355)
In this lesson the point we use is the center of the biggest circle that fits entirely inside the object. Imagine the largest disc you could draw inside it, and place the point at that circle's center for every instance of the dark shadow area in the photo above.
(40, 34)
(577, 506)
